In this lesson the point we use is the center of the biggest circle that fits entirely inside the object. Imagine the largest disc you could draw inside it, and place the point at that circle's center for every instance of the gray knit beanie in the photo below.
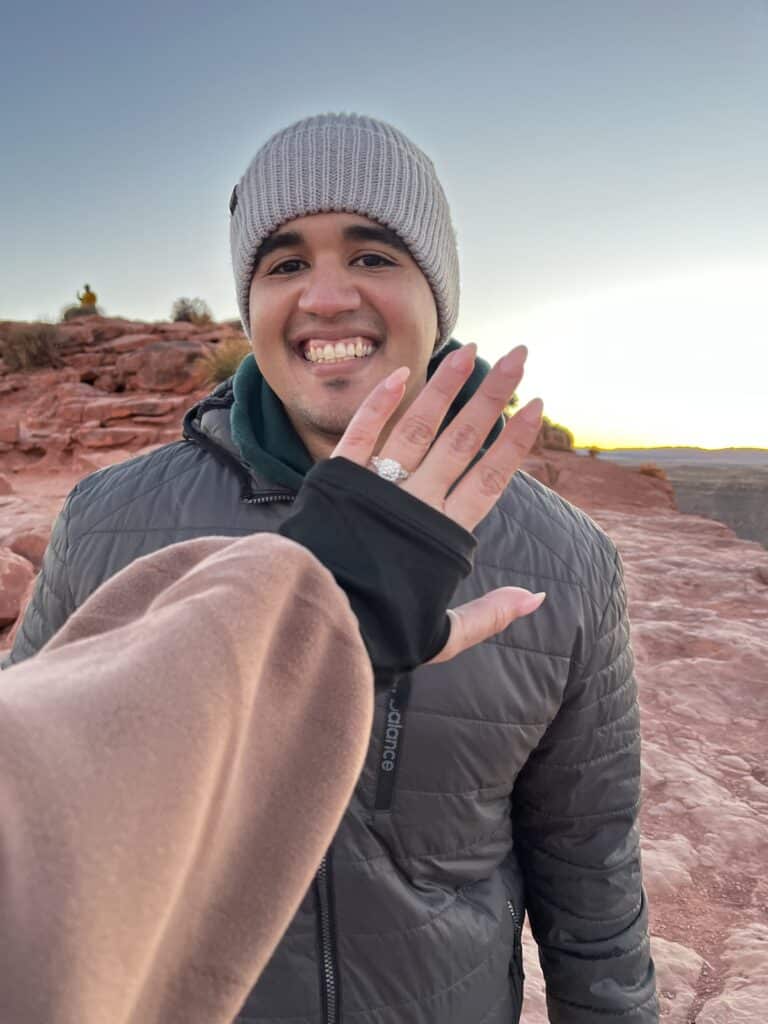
(346, 163)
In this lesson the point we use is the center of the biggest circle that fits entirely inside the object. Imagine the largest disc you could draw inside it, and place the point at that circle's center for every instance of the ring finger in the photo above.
(415, 431)
(458, 444)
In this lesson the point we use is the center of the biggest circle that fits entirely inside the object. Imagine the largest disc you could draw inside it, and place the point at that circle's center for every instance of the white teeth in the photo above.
(332, 352)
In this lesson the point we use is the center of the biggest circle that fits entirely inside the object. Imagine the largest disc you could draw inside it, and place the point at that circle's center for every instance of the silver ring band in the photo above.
(388, 469)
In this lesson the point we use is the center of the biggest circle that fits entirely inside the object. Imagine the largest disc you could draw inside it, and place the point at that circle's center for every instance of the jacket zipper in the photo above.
(513, 912)
(328, 973)
(267, 499)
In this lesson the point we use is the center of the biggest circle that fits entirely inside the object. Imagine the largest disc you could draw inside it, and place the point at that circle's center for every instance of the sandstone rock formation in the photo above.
(121, 385)
(699, 609)
(15, 576)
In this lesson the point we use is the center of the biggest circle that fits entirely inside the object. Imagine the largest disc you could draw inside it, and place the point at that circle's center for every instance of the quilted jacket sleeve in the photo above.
(52, 602)
(576, 835)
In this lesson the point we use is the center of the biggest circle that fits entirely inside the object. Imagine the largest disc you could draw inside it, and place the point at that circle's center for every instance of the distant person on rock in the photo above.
(502, 783)
(88, 298)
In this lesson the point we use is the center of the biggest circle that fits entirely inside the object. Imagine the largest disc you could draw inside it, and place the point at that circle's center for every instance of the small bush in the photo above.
(509, 409)
(555, 436)
(651, 469)
(593, 451)
(28, 346)
(71, 312)
(191, 311)
(223, 360)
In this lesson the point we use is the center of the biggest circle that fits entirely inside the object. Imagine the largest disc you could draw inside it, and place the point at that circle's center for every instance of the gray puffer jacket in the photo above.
(503, 782)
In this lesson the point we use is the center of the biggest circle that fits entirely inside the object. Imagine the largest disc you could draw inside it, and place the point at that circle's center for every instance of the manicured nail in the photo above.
(514, 362)
(396, 380)
(534, 601)
(531, 412)
(464, 358)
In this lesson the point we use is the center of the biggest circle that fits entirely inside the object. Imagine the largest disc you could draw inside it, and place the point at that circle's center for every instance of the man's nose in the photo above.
(329, 291)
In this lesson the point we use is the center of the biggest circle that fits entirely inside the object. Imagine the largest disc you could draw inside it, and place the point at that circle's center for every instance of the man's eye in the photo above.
(377, 261)
(286, 267)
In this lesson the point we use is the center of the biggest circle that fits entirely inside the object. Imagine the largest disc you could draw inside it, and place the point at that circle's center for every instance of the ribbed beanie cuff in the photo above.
(346, 163)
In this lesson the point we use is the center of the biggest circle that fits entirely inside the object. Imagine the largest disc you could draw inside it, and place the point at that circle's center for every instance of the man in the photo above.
(214, 838)
(502, 782)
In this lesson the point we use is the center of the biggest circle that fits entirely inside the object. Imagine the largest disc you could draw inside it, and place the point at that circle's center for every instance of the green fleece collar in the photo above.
(266, 438)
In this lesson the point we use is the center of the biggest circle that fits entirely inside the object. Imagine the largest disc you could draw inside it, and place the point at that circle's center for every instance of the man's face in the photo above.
(331, 280)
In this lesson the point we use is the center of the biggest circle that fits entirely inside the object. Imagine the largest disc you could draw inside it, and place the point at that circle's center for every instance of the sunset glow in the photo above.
(682, 361)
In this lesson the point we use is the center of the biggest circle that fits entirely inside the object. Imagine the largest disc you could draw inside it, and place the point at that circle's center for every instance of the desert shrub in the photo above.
(509, 409)
(223, 359)
(191, 311)
(593, 451)
(555, 436)
(27, 346)
(651, 469)
(71, 312)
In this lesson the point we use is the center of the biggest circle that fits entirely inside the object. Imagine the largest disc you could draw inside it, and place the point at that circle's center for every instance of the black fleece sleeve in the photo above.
(398, 560)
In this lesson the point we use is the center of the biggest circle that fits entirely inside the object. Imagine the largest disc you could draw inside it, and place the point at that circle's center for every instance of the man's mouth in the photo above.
(317, 350)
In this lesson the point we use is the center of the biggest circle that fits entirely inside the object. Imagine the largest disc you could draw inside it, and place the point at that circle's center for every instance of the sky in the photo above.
(606, 165)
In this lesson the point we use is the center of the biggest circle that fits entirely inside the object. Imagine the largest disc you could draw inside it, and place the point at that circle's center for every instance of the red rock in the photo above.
(593, 484)
(16, 573)
(543, 470)
(9, 433)
(5, 485)
(106, 409)
(85, 361)
(127, 343)
(71, 412)
(31, 544)
(108, 330)
(78, 333)
(171, 366)
(42, 381)
(128, 364)
(115, 437)
(107, 381)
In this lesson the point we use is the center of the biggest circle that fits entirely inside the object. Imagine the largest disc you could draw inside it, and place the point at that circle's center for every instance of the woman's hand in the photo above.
(435, 466)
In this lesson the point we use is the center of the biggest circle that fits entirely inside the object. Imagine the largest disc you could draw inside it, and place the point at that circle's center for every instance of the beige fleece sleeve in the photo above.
(173, 765)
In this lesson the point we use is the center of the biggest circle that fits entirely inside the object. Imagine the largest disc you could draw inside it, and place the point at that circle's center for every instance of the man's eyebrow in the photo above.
(353, 233)
(281, 240)
(374, 233)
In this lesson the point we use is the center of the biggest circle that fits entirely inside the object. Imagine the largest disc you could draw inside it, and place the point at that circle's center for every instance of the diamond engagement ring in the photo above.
(389, 469)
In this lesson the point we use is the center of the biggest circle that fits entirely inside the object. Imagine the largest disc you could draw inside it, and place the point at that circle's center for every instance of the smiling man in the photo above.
(336, 302)
(503, 782)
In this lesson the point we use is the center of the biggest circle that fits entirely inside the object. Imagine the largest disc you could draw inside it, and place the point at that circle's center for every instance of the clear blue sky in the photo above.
(606, 165)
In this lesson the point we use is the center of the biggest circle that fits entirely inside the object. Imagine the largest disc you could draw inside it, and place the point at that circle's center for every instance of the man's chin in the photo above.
(326, 424)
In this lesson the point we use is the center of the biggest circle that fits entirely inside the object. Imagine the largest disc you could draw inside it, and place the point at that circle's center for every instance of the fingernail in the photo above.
(533, 601)
(531, 412)
(464, 358)
(396, 380)
(515, 361)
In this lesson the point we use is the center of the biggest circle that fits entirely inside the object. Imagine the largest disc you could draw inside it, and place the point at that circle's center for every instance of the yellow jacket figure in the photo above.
(88, 298)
